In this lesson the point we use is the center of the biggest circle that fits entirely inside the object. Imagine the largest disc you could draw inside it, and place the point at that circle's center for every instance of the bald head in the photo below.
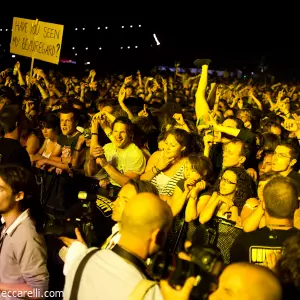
(144, 213)
(245, 281)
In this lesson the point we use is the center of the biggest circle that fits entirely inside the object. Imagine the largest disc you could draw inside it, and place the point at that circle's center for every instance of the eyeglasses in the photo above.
(228, 181)
(281, 155)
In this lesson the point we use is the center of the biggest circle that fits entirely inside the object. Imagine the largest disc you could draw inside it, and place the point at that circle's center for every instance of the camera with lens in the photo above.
(205, 265)
(63, 227)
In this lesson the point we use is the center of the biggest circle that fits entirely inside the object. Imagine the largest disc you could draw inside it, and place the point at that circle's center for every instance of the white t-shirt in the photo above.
(128, 159)
(107, 276)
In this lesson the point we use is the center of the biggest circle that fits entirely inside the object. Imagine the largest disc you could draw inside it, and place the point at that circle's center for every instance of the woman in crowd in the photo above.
(51, 129)
(165, 168)
(197, 172)
(230, 193)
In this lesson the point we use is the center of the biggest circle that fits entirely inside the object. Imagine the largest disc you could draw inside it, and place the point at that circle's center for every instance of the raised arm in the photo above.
(21, 80)
(121, 99)
(257, 102)
(201, 106)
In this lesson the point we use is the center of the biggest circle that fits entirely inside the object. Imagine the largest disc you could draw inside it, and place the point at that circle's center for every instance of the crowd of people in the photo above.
(172, 153)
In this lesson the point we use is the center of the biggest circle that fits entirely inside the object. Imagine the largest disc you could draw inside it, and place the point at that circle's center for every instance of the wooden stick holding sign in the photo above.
(32, 58)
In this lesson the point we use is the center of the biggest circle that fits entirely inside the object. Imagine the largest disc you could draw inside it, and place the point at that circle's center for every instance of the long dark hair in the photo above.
(21, 180)
(245, 186)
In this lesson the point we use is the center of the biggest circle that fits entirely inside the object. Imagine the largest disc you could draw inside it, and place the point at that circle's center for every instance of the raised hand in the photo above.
(290, 125)
(93, 73)
(143, 113)
(33, 80)
(17, 66)
(280, 94)
(297, 119)
(68, 242)
(200, 186)
(179, 119)
(97, 151)
(164, 162)
(83, 85)
(128, 79)
(189, 184)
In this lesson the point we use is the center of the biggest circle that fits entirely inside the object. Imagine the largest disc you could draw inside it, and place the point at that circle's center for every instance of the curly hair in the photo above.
(288, 265)
(245, 186)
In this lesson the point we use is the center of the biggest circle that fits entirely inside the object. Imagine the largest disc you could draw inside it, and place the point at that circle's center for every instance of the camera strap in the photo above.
(137, 262)
(78, 274)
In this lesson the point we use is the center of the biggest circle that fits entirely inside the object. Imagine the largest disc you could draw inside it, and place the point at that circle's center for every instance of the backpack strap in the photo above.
(141, 289)
(78, 274)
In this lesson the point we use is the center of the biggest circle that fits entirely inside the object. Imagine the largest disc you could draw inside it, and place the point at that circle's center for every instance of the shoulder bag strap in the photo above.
(141, 289)
(78, 274)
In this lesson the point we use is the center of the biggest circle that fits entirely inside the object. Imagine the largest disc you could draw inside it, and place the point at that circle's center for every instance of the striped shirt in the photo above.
(166, 185)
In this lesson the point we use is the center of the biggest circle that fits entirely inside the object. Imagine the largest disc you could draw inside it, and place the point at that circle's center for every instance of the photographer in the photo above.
(116, 273)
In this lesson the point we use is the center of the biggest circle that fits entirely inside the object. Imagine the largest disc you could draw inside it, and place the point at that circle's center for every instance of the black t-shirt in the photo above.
(295, 176)
(12, 152)
(254, 246)
(67, 144)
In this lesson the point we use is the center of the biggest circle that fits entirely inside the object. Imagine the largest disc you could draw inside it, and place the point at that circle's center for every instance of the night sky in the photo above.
(235, 44)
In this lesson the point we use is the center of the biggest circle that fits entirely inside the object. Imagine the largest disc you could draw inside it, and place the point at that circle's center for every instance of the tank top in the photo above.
(166, 185)
(45, 154)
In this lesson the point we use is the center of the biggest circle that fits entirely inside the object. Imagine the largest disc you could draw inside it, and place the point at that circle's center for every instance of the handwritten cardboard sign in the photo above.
(39, 40)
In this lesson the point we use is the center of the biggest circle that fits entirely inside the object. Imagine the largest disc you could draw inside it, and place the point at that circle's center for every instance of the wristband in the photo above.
(157, 170)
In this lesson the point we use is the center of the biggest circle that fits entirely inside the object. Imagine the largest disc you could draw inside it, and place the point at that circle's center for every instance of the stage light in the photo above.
(156, 39)
(128, 47)
(13, 56)
(121, 47)
(98, 28)
(86, 48)
(87, 63)
(76, 28)
(131, 26)
(75, 54)
(106, 27)
(73, 48)
(100, 48)
(6, 29)
(136, 46)
(83, 28)
(140, 25)
(123, 26)
(0, 29)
